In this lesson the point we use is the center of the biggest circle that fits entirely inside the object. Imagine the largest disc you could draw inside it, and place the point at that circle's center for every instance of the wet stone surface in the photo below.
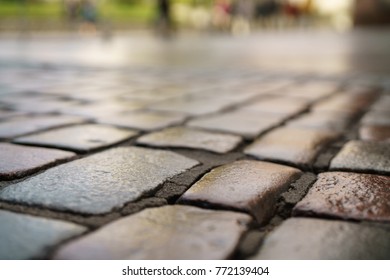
(306, 239)
(377, 118)
(364, 157)
(284, 106)
(374, 133)
(249, 186)
(182, 137)
(322, 120)
(18, 161)
(192, 106)
(169, 232)
(244, 123)
(297, 146)
(20, 126)
(101, 182)
(28, 237)
(348, 196)
(81, 138)
(143, 120)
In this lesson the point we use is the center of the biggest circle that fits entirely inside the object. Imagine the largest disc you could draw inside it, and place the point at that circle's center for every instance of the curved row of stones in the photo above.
(217, 169)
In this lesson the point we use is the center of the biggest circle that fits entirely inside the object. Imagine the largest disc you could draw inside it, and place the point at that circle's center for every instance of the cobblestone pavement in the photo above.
(273, 146)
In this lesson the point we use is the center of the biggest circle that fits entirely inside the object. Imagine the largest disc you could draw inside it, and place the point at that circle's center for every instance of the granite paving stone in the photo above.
(192, 106)
(5, 114)
(377, 118)
(345, 102)
(348, 196)
(99, 183)
(102, 109)
(28, 237)
(18, 161)
(80, 138)
(363, 156)
(374, 133)
(322, 120)
(169, 232)
(306, 239)
(311, 91)
(183, 137)
(22, 125)
(249, 186)
(297, 146)
(144, 120)
(284, 106)
(244, 123)
(382, 104)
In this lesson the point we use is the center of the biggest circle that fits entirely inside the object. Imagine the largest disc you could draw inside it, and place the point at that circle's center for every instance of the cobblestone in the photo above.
(284, 106)
(4, 114)
(249, 186)
(348, 196)
(377, 118)
(81, 138)
(143, 120)
(28, 161)
(285, 109)
(322, 120)
(363, 156)
(28, 237)
(374, 133)
(169, 232)
(246, 124)
(192, 106)
(20, 126)
(295, 146)
(99, 183)
(305, 239)
(181, 137)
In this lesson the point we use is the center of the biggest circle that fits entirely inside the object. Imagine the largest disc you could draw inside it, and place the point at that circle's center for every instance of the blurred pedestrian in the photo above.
(164, 18)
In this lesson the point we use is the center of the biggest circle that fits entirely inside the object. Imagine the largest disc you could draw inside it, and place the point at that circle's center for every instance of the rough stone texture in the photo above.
(348, 196)
(351, 103)
(284, 106)
(182, 137)
(4, 114)
(299, 188)
(249, 186)
(297, 146)
(304, 238)
(102, 109)
(377, 118)
(363, 156)
(322, 120)
(81, 138)
(382, 104)
(144, 120)
(26, 237)
(192, 106)
(19, 126)
(310, 91)
(374, 133)
(244, 123)
(170, 232)
(18, 161)
(101, 182)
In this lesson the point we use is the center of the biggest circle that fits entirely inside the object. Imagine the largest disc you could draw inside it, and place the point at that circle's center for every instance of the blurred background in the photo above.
(165, 16)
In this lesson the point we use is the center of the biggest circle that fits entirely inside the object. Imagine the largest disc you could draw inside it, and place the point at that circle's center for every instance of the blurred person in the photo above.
(242, 15)
(72, 10)
(222, 15)
(267, 10)
(89, 16)
(164, 18)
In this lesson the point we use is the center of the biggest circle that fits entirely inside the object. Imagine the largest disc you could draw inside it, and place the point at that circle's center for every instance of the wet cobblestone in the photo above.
(198, 149)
